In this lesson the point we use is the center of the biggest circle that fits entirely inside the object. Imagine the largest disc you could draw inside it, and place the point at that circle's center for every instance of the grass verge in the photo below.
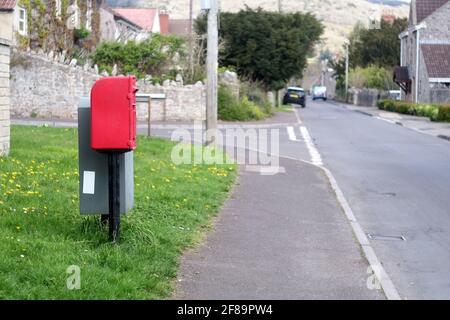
(42, 233)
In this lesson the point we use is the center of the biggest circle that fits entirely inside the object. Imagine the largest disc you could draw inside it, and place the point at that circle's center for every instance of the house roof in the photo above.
(437, 60)
(179, 27)
(7, 4)
(144, 18)
(425, 8)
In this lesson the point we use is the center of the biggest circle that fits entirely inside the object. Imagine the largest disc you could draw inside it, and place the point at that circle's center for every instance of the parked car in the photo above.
(319, 92)
(295, 95)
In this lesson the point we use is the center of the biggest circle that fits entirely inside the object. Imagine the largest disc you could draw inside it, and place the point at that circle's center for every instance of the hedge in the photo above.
(435, 112)
(233, 109)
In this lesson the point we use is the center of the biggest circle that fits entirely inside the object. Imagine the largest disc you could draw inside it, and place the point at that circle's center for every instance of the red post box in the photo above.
(113, 114)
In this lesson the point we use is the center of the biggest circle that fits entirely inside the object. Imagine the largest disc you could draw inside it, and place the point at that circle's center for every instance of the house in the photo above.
(424, 73)
(6, 37)
(52, 22)
(115, 27)
(125, 24)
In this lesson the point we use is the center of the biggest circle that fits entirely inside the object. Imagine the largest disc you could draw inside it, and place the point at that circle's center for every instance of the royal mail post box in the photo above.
(113, 114)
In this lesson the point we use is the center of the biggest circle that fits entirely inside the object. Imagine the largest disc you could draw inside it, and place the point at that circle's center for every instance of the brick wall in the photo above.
(4, 100)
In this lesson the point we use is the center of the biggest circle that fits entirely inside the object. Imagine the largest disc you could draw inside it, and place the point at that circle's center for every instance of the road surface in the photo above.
(397, 182)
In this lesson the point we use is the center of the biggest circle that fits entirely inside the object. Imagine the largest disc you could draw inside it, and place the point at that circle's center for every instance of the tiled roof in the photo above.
(424, 8)
(437, 60)
(144, 18)
(7, 4)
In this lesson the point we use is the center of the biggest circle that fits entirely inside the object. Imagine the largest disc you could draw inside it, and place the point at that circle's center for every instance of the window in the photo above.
(23, 21)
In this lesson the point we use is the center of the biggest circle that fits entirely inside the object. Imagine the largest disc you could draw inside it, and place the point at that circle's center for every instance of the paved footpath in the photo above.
(278, 237)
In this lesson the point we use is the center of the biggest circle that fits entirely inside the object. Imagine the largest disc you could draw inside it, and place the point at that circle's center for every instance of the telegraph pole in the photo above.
(346, 70)
(191, 37)
(280, 6)
(211, 68)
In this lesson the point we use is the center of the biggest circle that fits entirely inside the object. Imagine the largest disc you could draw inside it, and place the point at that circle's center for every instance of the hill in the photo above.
(339, 16)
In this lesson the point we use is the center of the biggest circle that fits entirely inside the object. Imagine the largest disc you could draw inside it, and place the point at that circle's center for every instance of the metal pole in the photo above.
(114, 196)
(212, 65)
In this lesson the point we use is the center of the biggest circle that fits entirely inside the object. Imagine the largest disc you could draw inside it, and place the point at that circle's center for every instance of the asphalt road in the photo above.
(397, 182)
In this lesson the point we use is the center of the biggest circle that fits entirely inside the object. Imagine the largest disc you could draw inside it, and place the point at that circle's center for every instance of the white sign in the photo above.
(89, 182)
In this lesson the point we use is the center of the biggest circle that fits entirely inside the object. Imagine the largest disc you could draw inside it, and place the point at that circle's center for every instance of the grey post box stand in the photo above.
(94, 175)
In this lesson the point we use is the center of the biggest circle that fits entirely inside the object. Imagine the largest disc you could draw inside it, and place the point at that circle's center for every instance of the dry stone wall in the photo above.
(4, 99)
(49, 86)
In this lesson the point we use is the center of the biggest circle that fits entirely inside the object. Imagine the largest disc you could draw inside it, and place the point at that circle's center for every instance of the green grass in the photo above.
(42, 233)
(285, 108)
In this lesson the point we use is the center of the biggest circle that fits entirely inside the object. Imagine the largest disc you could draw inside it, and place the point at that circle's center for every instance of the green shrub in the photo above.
(253, 111)
(429, 111)
(155, 56)
(372, 77)
(443, 113)
(255, 92)
(231, 109)
(432, 111)
(80, 34)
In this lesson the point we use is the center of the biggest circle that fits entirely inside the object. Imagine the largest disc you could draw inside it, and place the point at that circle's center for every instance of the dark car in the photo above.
(295, 95)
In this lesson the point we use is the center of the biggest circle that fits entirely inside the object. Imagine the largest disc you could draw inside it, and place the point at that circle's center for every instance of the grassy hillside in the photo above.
(339, 16)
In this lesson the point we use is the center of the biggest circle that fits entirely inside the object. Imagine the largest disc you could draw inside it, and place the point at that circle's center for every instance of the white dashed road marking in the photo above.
(291, 133)
(315, 155)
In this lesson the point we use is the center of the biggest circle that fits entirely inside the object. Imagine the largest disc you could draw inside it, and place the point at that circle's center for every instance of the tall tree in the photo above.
(372, 47)
(268, 47)
(380, 47)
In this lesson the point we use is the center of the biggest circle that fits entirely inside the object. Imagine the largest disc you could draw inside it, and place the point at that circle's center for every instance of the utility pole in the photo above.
(191, 37)
(280, 6)
(211, 68)
(346, 69)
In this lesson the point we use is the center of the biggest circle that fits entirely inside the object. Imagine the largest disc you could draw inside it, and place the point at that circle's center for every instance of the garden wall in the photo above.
(49, 86)
(440, 95)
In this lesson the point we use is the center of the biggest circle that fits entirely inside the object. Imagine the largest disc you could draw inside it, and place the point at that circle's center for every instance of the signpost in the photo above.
(147, 98)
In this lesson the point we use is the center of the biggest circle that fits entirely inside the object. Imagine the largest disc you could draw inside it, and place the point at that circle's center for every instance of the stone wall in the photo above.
(440, 95)
(231, 81)
(4, 100)
(363, 97)
(47, 87)
(183, 103)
